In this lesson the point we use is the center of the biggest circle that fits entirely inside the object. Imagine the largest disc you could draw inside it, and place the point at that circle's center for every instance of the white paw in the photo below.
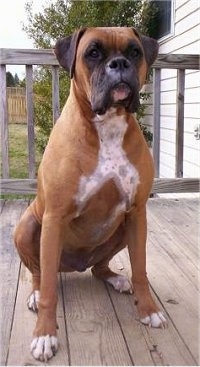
(156, 320)
(44, 347)
(33, 301)
(120, 283)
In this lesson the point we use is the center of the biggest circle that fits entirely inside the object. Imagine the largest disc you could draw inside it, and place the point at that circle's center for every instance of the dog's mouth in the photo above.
(120, 93)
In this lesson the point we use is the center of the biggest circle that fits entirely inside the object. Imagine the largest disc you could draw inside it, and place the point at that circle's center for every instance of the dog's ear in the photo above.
(65, 51)
(150, 47)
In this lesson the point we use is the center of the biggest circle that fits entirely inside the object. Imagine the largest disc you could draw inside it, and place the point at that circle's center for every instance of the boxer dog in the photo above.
(94, 179)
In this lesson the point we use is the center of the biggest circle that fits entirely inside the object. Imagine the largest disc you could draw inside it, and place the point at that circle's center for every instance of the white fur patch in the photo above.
(112, 163)
(33, 301)
(120, 283)
(156, 320)
(44, 347)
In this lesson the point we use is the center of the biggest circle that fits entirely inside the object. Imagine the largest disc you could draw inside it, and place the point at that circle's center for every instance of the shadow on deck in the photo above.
(98, 326)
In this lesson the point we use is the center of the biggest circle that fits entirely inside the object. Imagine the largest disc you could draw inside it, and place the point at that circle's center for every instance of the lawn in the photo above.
(18, 151)
(18, 155)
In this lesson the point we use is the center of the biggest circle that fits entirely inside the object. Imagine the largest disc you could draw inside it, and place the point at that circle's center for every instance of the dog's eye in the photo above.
(134, 52)
(94, 53)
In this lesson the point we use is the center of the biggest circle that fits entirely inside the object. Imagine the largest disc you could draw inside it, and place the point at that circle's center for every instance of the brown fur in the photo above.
(50, 236)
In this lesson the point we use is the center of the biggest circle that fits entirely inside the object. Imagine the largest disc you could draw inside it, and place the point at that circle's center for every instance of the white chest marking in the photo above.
(112, 163)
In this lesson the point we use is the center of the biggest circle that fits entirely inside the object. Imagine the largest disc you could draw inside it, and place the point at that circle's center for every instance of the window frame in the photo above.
(172, 30)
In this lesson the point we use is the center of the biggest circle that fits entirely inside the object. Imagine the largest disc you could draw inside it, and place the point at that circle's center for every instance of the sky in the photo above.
(12, 17)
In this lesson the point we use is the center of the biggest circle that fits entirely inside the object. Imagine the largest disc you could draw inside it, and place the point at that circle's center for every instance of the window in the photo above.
(164, 18)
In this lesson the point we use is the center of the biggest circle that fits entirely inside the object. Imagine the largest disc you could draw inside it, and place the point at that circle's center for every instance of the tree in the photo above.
(63, 17)
(10, 81)
(16, 79)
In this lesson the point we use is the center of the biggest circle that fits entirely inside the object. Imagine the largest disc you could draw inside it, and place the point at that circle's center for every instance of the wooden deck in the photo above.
(98, 326)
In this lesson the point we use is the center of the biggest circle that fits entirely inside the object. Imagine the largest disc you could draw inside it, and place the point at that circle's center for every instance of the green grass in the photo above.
(18, 153)
(18, 156)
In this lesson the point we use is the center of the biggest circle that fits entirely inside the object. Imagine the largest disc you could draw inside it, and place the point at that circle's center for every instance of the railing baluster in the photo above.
(30, 120)
(4, 122)
(55, 93)
(180, 97)
(156, 120)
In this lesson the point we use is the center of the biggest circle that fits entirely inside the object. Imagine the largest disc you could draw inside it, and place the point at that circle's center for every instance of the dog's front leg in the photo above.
(44, 344)
(136, 232)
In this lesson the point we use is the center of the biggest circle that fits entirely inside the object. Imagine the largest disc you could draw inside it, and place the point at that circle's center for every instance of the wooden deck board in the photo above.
(177, 281)
(9, 268)
(165, 347)
(98, 326)
(2, 202)
(95, 337)
(180, 216)
(23, 325)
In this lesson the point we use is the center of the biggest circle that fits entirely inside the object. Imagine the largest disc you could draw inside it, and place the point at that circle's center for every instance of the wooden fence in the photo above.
(16, 99)
(46, 57)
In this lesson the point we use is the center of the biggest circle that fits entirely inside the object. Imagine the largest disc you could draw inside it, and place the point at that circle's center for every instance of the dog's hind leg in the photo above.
(119, 282)
(27, 242)
(102, 270)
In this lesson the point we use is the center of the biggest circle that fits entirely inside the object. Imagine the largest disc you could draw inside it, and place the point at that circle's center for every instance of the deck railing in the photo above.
(47, 57)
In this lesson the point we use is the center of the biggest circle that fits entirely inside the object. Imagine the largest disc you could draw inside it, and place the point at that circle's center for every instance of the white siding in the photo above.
(185, 40)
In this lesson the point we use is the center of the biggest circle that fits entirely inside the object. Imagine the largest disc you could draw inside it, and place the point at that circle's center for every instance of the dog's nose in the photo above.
(118, 64)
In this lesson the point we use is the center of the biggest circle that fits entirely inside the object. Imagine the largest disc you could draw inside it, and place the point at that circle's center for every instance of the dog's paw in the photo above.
(44, 347)
(155, 320)
(120, 283)
(33, 301)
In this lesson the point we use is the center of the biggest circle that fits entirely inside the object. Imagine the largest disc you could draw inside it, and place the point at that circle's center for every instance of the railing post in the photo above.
(180, 98)
(30, 120)
(156, 120)
(4, 122)
(55, 93)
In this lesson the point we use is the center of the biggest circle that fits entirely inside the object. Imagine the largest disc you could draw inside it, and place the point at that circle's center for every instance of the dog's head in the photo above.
(108, 64)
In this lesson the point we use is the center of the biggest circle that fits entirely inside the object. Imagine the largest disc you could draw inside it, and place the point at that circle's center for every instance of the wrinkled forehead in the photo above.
(112, 37)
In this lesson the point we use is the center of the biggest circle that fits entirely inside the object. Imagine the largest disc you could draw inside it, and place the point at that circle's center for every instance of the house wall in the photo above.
(184, 40)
